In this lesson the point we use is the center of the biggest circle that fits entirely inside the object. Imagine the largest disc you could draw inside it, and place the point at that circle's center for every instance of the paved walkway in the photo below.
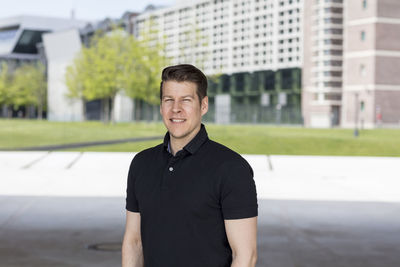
(313, 211)
(83, 144)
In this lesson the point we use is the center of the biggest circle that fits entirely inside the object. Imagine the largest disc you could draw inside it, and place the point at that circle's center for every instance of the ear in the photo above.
(204, 105)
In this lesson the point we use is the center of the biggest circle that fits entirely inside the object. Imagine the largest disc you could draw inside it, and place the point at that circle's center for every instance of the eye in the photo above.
(167, 100)
(187, 100)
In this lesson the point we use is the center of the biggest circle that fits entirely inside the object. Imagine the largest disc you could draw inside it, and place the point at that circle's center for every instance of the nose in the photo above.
(176, 108)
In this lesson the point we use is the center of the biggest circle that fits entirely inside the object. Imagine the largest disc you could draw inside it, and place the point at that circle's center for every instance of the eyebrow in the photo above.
(185, 96)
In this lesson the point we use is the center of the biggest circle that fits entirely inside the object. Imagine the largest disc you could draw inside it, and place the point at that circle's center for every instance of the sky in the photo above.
(84, 9)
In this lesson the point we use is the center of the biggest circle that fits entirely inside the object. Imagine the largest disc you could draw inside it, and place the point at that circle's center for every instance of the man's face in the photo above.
(181, 109)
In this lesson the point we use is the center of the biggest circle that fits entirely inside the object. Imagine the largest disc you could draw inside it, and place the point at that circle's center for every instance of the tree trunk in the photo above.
(138, 112)
(106, 110)
(102, 110)
(112, 109)
(84, 109)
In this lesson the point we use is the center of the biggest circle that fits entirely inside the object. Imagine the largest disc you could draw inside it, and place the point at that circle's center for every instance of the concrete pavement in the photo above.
(313, 211)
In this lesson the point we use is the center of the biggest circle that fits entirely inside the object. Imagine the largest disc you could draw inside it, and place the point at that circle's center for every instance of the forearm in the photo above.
(132, 254)
(244, 260)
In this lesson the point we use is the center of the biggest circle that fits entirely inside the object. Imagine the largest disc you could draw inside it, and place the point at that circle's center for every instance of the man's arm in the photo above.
(132, 251)
(242, 237)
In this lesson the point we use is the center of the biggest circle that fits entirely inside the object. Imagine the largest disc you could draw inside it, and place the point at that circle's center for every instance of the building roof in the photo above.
(41, 23)
(21, 34)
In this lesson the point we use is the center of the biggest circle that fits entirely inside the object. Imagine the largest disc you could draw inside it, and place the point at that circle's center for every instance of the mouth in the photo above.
(177, 120)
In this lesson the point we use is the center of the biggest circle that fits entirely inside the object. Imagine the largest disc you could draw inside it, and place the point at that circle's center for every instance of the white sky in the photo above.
(84, 9)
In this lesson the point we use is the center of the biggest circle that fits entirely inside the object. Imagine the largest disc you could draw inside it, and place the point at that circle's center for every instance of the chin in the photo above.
(178, 134)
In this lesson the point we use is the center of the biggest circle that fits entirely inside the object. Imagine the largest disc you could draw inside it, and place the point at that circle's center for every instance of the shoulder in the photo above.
(227, 158)
(145, 155)
(224, 153)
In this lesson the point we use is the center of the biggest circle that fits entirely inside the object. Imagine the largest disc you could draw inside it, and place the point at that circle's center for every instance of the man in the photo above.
(191, 202)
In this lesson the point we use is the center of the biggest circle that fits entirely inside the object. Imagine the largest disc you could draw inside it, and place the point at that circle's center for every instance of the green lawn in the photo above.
(247, 139)
(23, 133)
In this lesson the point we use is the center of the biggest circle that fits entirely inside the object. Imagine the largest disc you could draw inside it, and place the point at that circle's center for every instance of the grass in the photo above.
(23, 133)
(246, 139)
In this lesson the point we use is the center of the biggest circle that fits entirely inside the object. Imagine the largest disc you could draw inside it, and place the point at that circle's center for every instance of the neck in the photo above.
(178, 144)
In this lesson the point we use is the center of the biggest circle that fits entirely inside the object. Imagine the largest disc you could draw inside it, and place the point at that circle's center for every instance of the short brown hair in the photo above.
(185, 73)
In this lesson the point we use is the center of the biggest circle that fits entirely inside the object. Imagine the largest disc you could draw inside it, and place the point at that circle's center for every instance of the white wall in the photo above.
(61, 48)
(123, 108)
(222, 109)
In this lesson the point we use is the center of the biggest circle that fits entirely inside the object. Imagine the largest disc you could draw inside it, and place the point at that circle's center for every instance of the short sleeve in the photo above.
(131, 200)
(238, 191)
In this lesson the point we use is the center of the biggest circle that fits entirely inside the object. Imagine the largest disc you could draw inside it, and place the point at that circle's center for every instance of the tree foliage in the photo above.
(26, 86)
(5, 83)
(116, 62)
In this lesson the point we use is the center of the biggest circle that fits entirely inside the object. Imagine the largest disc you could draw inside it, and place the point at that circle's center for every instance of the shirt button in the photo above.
(171, 169)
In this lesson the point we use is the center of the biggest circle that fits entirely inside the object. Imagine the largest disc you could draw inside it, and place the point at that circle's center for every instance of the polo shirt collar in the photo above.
(194, 144)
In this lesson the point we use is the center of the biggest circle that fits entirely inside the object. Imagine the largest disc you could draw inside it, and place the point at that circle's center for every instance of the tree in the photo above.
(5, 94)
(29, 87)
(147, 60)
(115, 62)
(75, 80)
(96, 71)
(151, 60)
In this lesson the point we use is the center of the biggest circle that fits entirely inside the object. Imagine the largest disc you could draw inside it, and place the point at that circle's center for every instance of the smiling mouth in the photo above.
(177, 120)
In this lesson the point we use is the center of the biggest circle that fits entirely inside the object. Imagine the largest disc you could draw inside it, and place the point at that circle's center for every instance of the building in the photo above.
(56, 42)
(371, 80)
(21, 36)
(21, 39)
(254, 46)
(323, 62)
(351, 58)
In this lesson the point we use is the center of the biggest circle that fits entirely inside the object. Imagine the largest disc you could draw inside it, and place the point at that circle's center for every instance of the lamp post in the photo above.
(356, 133)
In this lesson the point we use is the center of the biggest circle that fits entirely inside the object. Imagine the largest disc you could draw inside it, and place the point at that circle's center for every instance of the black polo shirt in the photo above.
(184, 199)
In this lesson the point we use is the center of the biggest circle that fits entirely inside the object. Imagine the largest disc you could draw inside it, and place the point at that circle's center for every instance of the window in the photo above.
(337, 10)
(363, 71)
(364, 4)
(333, 31)
(362, 35)
(333, 41)
(332, 84)
(332, 73)
(8, 34)
(336, 63)
(332, 96)
(333, 52)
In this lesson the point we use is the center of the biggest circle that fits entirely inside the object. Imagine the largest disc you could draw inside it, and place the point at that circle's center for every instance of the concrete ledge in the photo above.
(277, 177)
